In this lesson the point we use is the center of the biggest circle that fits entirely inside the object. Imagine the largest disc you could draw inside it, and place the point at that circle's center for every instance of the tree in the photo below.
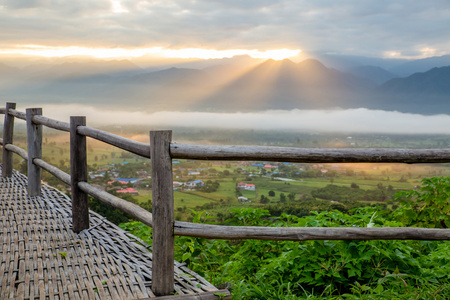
(291, 196)
(354, 186)
(282, 197)
(271, 193)
(264, 199)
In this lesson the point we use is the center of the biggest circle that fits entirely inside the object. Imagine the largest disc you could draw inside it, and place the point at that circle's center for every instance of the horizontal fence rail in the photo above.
(132, 209)
(17, 150)
(61, 175)
(41, 120)
(308, 233)
(309, 155)
(163, 150)
(129, 145)
(18, 114)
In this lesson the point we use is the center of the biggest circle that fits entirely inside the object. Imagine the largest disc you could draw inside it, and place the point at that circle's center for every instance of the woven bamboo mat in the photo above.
(41, 258)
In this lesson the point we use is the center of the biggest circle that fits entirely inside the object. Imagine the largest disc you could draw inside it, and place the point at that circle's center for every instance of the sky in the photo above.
(215, 29)
(206, 29)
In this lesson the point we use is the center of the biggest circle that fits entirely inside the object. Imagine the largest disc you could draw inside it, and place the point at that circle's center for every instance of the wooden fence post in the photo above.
(8, 131)
(78, 172)
(163, 213)
(34, 142)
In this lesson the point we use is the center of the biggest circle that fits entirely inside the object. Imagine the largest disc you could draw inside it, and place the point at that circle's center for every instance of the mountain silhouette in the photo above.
(231, 87)
(426, 92)
(375, 74)
(288, 85)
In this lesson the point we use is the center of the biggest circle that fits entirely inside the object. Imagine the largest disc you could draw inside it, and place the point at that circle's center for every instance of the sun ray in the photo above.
(245, 88)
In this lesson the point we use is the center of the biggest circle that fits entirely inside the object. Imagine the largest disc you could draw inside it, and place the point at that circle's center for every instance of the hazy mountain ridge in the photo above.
(239, 86)
(426, 92)
(420, 65)
(375, 74)
(434, 81)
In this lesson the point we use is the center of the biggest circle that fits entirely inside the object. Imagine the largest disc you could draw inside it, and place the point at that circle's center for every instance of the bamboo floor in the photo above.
(42, 258)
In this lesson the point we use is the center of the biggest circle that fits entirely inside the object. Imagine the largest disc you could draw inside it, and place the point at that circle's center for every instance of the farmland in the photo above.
(280, 183)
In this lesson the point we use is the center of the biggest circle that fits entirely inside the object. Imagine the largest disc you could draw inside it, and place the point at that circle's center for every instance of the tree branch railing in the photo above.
(163, 150)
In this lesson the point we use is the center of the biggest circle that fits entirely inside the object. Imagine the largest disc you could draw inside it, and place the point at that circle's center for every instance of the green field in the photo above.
(228, 174)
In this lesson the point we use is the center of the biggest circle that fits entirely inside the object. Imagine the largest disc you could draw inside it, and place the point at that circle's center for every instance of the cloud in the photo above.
(349, 121)
(348, 26)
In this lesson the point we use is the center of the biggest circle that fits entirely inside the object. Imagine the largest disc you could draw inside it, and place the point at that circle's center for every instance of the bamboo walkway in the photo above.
(42, 258)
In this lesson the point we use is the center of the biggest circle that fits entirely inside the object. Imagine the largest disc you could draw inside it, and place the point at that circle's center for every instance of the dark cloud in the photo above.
(349, 26)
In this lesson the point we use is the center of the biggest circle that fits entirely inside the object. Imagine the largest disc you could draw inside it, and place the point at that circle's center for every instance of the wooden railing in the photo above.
(161, 151)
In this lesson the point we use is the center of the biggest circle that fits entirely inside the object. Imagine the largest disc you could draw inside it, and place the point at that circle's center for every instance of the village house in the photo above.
(257, 165)
(241, 185)
(96, 175)
(177, 185)
(130, 191)
(123, 181)
(269, 167)
(194, 184)
(127, 180)
(243, 199)
(245, 186)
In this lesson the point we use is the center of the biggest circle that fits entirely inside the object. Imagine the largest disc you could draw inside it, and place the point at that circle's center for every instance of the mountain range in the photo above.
(238, 84)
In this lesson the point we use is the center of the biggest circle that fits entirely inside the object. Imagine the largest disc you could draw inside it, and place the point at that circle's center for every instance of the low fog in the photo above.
(359, 120)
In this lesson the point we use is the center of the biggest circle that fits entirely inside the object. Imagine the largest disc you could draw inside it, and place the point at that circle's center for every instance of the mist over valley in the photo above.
(234, 85)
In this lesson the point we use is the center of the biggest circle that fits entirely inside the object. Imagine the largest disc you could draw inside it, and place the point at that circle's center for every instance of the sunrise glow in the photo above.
(50, 51)
(186, 53)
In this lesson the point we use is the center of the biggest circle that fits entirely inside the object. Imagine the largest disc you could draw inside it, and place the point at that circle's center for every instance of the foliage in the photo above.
(377, 269)
(264, 199)
(210, 186)
(353, 193)
(428, 206)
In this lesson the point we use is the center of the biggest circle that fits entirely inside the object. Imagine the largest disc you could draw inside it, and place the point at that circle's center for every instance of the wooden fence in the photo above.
(161, 151)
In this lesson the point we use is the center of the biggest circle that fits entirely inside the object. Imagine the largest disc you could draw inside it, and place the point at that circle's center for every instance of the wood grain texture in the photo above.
(55, 124)
(17, 114)
(8, 133)
(309, 155)
(309, 233)
(78, 173)
(132, 146)
(34, 144)
(42, 258)
(163, 213)
(17, 150)
(63, 176)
